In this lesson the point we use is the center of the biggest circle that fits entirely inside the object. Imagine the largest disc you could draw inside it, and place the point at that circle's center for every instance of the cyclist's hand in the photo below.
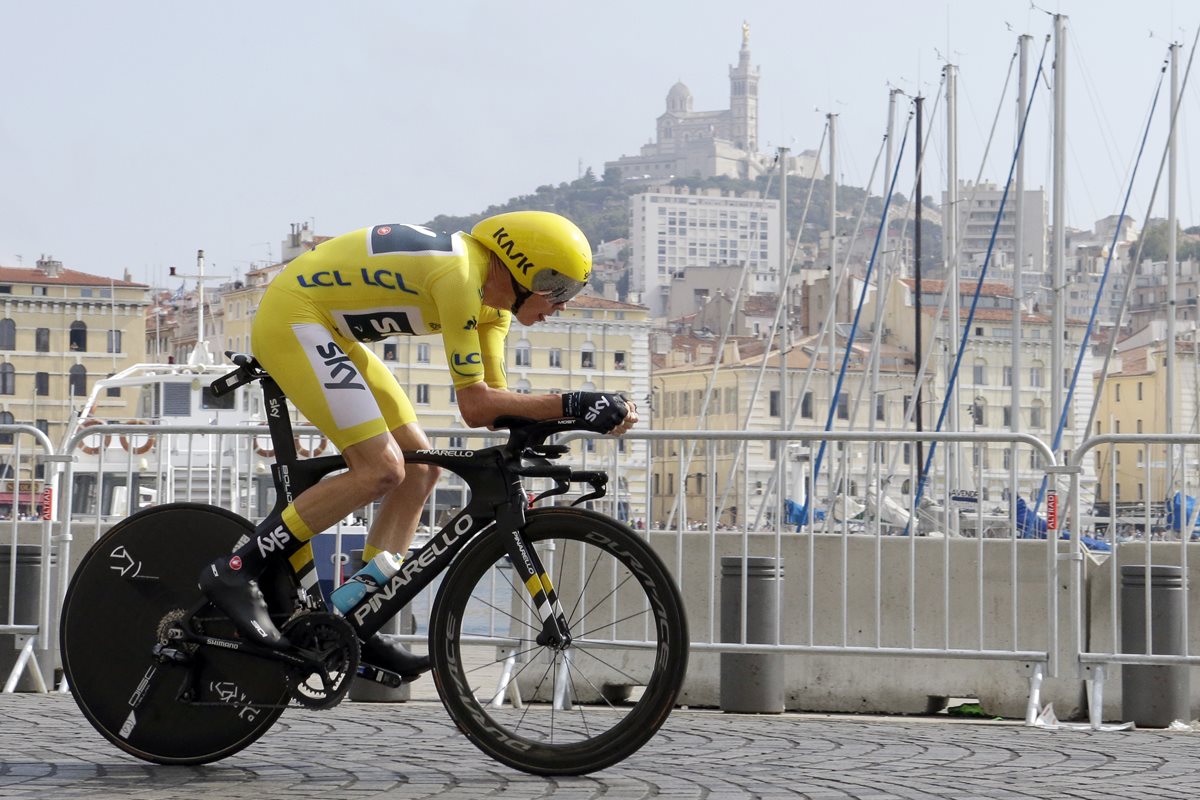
(602, 412)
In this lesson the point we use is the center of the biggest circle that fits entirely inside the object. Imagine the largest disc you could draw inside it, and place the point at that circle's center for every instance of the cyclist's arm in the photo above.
(492, 331)
(480, 404)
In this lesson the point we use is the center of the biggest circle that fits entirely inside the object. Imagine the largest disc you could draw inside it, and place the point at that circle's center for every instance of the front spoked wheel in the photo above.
(563, 709)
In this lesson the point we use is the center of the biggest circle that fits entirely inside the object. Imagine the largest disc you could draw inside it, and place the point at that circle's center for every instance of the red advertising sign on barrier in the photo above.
(48, 503)
(1052, 511)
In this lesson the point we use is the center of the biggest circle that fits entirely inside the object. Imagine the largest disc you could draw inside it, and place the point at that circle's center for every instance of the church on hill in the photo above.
(707, 144)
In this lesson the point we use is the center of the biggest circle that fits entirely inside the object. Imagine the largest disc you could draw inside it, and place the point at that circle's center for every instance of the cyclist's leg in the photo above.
(289, 335)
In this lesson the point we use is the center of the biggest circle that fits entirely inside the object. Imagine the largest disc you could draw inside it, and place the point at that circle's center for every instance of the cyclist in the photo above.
(386, 280)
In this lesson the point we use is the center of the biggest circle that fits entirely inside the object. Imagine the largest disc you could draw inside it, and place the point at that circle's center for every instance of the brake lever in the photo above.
(598, 480)
(560, 487)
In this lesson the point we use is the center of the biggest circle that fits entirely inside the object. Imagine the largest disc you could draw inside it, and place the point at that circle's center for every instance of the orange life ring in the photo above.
(304, 452)
(265, 452)
(140, 449)
(87, 449)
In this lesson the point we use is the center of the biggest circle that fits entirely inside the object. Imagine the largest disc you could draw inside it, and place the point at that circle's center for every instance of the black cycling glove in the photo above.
(601, 411)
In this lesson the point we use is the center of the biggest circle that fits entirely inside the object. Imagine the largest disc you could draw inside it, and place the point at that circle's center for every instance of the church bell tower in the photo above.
(743, 97)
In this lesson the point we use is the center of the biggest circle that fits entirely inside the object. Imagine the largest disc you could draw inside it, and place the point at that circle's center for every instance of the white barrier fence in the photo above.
(869, 619)
(27, 552)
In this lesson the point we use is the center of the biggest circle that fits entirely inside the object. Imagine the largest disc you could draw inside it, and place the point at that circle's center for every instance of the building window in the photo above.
(587, 357)
(1116, 391)
(78, 380)
(773, 403)
(41, 340)
(6, 418)
(980, 371)
(1008, 417)
(806, 406)
(524, 354)
(389, 351)
(115, 391)
(8, 379)
(423, 353)
(1008, 376)
(423, 394)
(555, 357)
(880, 409)
(114, 341)
(1139, 394)
(453, 394)
(78, 340)
(619, 359)
(41, 383)
(1035, 377)
(1035, 417)
(523, 387)
(8, 334)
(843, 406)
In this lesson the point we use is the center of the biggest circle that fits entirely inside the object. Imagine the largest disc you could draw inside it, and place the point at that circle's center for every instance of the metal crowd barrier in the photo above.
(942, 607)
(958, 597)
(1143, 532)
(26, 544)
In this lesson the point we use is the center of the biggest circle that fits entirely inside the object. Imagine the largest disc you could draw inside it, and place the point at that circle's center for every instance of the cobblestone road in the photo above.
(411, 750)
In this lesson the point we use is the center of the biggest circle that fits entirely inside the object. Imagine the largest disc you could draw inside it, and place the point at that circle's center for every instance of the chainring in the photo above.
(330, 640)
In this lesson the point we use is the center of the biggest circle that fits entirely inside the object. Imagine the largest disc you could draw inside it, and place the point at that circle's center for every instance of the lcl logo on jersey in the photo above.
(342, 372)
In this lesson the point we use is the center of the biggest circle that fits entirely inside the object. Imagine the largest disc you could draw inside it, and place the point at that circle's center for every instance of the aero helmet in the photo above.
(546, 253)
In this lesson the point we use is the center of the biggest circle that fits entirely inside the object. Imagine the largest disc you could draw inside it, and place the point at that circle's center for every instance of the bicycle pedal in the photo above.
(384, 677)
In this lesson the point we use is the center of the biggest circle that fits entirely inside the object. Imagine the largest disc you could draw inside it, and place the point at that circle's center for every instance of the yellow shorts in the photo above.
(337, 384)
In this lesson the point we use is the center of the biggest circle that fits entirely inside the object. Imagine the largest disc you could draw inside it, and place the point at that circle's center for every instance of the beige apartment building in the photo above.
(60, 331)
(1133, 401)
(746, 395)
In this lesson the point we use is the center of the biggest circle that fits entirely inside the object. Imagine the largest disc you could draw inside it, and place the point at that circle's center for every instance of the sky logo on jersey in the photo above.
(467, 366)
(342, 372)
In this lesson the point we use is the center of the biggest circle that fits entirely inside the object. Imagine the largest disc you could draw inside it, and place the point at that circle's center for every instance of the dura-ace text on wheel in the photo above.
(563, 707)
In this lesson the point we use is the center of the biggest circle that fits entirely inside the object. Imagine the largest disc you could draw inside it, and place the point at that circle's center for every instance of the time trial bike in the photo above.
(573, 610)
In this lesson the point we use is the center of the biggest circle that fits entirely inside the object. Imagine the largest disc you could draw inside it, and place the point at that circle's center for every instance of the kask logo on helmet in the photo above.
(506, 243)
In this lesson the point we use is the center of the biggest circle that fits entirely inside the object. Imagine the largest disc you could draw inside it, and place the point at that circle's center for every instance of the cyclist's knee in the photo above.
(424, 475)
(380, 476)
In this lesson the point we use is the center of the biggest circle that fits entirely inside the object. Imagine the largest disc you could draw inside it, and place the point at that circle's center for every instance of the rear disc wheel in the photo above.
(131, 592)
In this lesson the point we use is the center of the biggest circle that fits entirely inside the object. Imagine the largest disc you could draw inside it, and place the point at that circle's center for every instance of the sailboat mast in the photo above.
(832, 278)
(1060, 219)
(950, 220)
(919, 150)
(200, 289)
(1172, 254)
(1018, 258)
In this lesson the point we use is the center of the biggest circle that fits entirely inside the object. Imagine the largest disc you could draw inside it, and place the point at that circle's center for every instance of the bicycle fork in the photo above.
(555, 631)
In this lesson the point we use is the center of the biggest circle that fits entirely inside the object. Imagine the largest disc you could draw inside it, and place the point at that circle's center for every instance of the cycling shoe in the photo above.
(383, 650)
(237, 594)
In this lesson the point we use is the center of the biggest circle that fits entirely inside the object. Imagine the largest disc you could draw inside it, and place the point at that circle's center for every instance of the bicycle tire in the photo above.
(136, 575)
(614, 591)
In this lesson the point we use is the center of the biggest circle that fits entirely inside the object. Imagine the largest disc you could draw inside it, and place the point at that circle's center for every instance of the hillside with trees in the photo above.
(600, 206)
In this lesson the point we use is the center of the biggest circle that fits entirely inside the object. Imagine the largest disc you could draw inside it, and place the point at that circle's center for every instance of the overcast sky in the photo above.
(134, 133)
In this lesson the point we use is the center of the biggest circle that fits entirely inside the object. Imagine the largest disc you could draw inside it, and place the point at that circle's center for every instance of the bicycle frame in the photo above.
(498, 499)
